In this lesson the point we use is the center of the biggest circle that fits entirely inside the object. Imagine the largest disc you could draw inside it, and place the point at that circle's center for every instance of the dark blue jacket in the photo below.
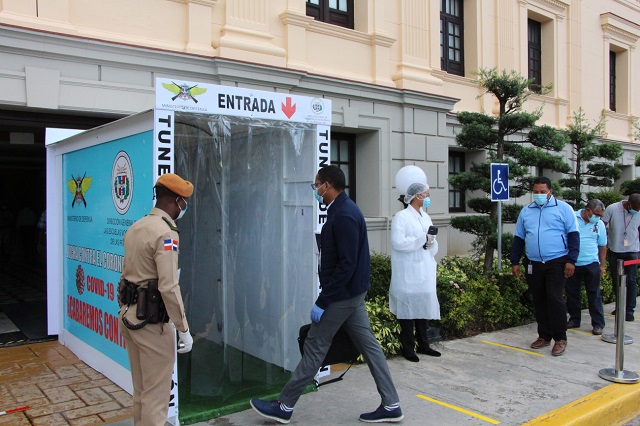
(344, 264)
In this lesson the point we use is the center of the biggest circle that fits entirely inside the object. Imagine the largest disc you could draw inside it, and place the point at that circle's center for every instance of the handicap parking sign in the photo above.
(499, 182)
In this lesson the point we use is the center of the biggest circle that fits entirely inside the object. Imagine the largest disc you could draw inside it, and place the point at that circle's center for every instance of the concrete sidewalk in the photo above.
(492, 378)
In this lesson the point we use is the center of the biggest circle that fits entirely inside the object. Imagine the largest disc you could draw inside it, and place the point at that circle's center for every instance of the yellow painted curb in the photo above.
(615, 404)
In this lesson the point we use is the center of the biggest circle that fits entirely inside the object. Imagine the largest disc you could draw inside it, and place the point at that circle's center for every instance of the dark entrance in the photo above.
(23, 284)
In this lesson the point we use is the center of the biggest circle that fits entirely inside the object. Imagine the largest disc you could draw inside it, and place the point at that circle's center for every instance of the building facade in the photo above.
(396, 71)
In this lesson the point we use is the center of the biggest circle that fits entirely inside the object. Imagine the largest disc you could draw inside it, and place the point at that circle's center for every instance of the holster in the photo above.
(150, 305)
(127, 292)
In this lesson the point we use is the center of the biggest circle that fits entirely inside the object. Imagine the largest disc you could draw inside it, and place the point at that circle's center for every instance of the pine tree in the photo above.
(594, 163)
(510, 137)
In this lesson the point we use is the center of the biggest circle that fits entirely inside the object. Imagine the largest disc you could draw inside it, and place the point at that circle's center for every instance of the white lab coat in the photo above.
(412, 294)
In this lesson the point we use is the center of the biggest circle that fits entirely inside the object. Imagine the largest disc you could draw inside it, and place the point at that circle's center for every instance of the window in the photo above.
(343, 155)
(612, 80)
(451, 37)
(456, 197)
(535, 55)
(336, 12)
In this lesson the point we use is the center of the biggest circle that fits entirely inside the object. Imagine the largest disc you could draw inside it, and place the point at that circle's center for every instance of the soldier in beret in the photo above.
(151, 247)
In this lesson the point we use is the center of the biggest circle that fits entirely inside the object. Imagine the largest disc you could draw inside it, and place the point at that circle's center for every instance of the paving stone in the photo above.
(94, 396)
(48, 408)
(123, 398)
(66, 371)
(89, 420)
(61, 361)
(14, 419)
(50, 420)
(111, 388)
(91, 373)
(59, 394)
(26, 393)
(93, 409)
(64, 382)
(117, 415)
(88, 384)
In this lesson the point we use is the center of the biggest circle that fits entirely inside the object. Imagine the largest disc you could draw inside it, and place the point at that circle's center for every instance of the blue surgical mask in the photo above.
(540, 199)
(318, 196)
(426, 202)
(182, 212)
(594, 219)
(632, 211)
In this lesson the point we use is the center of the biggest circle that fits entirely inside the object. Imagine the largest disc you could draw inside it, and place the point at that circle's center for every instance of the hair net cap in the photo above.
(175, 184)
(409, 175)
(413, 190)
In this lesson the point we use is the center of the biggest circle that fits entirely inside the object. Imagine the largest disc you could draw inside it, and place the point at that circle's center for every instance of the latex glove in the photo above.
(430, 240)
(185, 342)
(316, 313)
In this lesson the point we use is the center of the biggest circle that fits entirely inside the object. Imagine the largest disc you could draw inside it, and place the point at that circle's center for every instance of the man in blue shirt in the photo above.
(546, 230)
(589, 267)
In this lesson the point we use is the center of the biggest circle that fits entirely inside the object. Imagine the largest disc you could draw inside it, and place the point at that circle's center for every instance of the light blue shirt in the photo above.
(545, 229)
(592, 236)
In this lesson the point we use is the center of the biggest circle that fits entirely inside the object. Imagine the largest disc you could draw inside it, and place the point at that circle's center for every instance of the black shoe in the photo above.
(382, 415)
(412, 358)
(613, 312)
(597, 330)
(573, 324)
(629, 317)
(429, 351)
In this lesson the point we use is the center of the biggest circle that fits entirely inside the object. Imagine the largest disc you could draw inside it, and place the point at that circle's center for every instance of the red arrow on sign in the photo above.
(289, 109)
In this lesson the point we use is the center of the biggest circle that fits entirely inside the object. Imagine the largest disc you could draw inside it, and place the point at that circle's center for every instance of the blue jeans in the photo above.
(631, 271)
(590, 275)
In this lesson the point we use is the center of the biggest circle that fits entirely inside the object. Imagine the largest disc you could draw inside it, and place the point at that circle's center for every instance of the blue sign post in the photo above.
(499, 193)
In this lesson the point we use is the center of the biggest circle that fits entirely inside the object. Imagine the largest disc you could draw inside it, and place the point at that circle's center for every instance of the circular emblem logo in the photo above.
(80, 279)
(122, 182)
(317, 106)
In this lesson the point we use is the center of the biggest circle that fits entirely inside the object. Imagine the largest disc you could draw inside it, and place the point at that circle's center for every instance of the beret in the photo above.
(175, 184)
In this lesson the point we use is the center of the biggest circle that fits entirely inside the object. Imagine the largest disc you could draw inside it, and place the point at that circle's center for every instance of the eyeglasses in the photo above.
(317, 185)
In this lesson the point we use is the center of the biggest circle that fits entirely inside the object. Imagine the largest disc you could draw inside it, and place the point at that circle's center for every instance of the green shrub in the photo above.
(380, 276)
(384, 324)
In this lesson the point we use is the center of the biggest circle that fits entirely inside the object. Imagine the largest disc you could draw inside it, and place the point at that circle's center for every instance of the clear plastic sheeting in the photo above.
(246, 254)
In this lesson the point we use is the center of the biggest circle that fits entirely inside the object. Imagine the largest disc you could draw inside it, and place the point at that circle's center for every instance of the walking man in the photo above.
(546, 230)
(344, 279)
(589, 267)
(623, 220)
(151, 259)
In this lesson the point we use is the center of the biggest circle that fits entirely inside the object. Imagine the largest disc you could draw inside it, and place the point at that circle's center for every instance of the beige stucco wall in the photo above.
(383, 77)
(395, 43)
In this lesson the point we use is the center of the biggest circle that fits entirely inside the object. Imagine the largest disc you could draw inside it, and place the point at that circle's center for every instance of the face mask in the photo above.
(540, 199)
(594, 219)
(182, 212)
(318, 196)
(632, 211)
(426, 202)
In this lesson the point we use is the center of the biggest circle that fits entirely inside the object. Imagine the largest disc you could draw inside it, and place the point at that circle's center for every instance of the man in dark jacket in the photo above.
(344, 280)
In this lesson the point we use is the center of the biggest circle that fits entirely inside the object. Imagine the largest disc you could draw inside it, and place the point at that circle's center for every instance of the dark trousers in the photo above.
(590, 275)
(630, 271)
(407, 337)
(546, 283)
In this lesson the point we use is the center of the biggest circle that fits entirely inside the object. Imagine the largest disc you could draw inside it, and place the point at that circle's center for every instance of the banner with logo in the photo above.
(106, 188)
(203, 98)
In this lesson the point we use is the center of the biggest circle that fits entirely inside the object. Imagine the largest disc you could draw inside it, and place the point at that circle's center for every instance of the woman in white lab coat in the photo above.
(412, 295)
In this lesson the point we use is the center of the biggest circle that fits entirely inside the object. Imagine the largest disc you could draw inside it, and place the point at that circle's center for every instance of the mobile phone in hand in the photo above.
(432, 230)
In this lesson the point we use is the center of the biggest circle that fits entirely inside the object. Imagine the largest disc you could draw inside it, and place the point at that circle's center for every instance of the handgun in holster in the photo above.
(150, 305)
